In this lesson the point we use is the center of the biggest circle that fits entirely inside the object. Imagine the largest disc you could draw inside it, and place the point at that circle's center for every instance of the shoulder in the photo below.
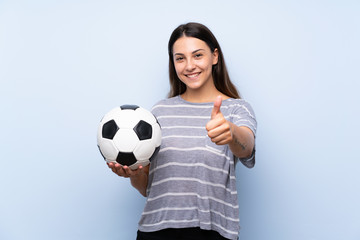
(240, 112)
(166, 102)
(230, 101)
(236, 104)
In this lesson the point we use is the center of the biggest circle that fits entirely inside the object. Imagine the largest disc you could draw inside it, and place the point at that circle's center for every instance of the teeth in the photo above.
(193, 75)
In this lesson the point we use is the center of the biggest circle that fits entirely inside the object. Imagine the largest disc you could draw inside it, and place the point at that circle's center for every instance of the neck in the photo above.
(201, 96)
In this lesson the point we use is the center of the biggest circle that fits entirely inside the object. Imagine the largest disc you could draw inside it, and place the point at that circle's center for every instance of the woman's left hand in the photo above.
(241, 140)
(218, 128)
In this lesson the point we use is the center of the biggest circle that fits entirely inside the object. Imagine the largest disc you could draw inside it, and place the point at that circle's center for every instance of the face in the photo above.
(193, 62)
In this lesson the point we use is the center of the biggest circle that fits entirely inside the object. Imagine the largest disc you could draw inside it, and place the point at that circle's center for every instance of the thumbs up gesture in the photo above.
(218, 128)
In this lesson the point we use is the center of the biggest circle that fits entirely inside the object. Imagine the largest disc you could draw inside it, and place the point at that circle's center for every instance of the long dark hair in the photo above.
(219, 71)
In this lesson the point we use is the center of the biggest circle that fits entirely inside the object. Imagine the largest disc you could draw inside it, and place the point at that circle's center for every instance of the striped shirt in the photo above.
(192, 181)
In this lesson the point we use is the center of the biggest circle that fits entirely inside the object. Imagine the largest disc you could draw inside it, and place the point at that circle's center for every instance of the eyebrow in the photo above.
(191, 53)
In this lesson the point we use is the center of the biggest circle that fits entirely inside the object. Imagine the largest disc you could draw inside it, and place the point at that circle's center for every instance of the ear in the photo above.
(215, 55)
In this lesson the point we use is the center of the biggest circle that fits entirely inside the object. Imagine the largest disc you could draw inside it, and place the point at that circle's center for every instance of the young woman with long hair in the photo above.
(206, 128)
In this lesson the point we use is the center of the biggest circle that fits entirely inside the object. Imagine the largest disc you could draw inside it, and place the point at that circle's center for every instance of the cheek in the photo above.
(178, 69)
(206, 65)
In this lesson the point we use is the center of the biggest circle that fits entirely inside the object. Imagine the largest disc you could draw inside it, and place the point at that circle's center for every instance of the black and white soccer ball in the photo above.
(129, 135)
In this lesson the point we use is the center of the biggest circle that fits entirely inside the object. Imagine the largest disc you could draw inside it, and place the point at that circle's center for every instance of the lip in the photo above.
(193, 75)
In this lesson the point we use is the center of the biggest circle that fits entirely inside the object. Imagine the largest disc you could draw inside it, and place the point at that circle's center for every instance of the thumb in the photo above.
(216, 108)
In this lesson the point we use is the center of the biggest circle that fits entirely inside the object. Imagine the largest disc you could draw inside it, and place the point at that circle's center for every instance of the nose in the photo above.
(190, 66)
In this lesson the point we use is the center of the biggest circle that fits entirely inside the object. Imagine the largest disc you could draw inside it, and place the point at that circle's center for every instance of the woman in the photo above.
(191, 186)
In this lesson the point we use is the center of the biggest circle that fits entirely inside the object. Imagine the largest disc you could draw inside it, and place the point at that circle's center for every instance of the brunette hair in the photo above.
(219, 71)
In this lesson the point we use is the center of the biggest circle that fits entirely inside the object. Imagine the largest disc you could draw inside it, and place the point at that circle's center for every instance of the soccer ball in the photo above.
(129, 135)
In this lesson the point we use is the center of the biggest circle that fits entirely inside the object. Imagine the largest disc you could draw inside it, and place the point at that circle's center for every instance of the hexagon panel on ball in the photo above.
(127, 119)
(108, 149)
(126, 140)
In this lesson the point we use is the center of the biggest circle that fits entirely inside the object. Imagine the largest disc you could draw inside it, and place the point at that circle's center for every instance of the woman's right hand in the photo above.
(124, 171)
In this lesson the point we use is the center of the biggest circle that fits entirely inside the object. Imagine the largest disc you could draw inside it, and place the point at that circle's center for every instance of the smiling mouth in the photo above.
(194, 75)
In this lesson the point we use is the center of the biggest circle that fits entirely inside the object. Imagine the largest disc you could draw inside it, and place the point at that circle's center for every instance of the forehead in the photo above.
(189, 44)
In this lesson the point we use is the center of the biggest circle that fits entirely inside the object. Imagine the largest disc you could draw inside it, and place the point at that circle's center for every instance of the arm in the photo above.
(138, 177)
(243, 141)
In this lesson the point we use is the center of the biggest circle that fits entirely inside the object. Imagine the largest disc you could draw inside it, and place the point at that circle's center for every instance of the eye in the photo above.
(198, 55)
(179, 59)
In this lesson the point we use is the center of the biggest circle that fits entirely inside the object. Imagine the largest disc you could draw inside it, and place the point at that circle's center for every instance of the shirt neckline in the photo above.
(200, 103)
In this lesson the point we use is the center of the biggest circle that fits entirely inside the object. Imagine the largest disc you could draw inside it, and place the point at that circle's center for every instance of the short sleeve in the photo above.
(243, 115)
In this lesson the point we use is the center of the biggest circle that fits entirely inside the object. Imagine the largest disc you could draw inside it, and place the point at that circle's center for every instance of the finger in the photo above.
(218, 130)
(222, 139)
(118, 169)
(212, 124)
(221, 130)
(122, 172)
(131, 172)
(128, 171)
(112, 166)
(216, 108)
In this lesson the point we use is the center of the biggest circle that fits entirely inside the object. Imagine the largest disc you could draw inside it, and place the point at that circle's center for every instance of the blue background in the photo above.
(64, 64)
